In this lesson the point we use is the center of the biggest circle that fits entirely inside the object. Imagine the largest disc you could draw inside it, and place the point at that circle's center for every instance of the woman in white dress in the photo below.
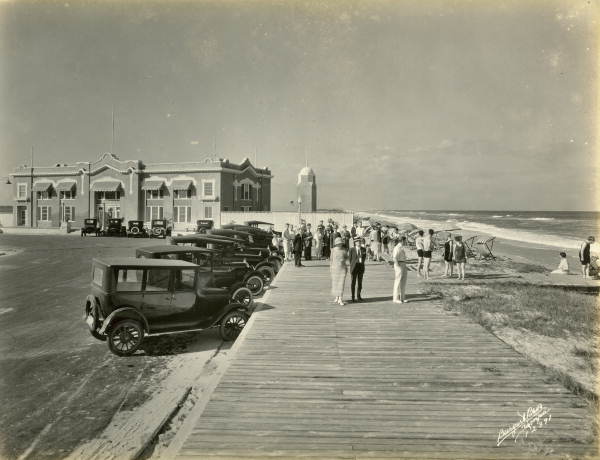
(339, 269)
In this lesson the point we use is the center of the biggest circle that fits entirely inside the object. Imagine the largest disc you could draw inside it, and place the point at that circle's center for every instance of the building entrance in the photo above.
(21, 216)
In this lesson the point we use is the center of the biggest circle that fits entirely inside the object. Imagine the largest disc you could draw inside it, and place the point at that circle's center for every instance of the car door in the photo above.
(224, 274)
(156, 305)
(210, 300)
(186, 310)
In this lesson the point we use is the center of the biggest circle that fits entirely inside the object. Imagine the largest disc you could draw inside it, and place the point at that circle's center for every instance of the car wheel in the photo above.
(125, 337)
(255, 284)
(243, 296)
(267, 272)
(232, 324)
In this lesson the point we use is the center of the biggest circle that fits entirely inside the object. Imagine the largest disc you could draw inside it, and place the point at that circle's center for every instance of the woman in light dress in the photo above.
(339, 268)
(319, 243)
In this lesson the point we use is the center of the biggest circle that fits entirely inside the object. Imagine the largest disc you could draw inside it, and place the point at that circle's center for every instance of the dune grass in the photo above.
(545, 310)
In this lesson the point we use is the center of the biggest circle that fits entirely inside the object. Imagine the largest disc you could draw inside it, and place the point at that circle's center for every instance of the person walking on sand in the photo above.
(459, 256)
(448, 249)
(400, 271)
(339, 270)
(298, 247)
(357, 256)
(419, 245)
(584, 256)
(427, 250)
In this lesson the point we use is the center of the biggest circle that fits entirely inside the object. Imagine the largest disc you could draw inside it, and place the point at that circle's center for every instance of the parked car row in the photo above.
(198, 281)
(159, 228)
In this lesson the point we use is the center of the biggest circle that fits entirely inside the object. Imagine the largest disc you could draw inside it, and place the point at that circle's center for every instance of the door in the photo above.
(21, 215)
(156, 301)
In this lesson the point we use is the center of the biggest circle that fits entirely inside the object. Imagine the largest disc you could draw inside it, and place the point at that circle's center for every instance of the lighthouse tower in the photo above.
(307, 190)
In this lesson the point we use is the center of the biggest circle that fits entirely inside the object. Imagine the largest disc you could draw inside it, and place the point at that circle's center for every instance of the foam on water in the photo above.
(479, 228)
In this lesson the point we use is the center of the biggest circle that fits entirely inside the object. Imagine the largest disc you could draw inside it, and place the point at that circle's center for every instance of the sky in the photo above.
(458, 105)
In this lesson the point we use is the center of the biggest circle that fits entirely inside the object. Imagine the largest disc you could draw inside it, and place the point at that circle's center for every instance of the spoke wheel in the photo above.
(243, 296)
(93, 323)
(255, 284)
(268, 274)
(232, 324)
(125, 337)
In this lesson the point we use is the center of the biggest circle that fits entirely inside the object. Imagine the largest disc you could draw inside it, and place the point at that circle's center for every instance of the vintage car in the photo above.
(115, 227)
(159, 228)
(250, 245)
(134, 298)
(230, 254)
(231, 277)
(203, 225)
(135, 228)
(90, 226)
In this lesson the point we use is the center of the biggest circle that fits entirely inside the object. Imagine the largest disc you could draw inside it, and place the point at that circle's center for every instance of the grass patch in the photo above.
(522, 267)
(544, 310)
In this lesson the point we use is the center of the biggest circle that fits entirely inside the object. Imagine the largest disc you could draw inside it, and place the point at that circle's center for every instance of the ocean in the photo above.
(565, 229)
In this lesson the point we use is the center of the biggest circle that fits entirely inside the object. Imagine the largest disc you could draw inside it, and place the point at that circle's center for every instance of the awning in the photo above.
(42, 186)
(153, 185)
(106, 186)
(65, 186)
(181, 184)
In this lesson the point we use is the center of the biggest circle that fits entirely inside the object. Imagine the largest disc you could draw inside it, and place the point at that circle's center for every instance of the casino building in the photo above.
(49, 196)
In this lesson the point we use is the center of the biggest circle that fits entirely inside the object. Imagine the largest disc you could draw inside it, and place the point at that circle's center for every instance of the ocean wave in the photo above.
(479, 228)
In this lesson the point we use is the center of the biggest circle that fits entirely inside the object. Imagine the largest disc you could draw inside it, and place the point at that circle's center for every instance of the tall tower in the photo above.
(307, 189)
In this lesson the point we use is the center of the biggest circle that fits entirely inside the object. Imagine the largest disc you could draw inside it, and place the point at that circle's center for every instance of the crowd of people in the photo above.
(348, 249)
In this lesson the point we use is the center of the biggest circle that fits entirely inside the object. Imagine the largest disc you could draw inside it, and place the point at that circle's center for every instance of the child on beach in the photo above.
(459, 255)
(563, 266)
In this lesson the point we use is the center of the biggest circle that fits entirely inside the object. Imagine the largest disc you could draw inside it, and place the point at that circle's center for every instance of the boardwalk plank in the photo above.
(378, 380)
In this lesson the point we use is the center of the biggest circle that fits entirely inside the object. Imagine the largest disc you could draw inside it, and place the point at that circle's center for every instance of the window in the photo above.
(98, 276)
(21, 191)
(68, 213)
(184, 280)
(67, 194)
(247, 192)
(246, 208)
(109, 195)
(43, 195)
(208, 188)
(154, 194)
(225, 208)
(208, 212)
(157, 279)
(154, 212)
(181, 194)
(182, 214)
(129, 280)
(44, 213)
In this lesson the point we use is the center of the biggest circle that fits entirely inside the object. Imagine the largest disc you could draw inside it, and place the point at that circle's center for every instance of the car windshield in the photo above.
(158, 223)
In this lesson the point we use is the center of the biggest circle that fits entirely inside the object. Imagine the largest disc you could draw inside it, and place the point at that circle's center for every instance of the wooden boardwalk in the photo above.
(377, 379)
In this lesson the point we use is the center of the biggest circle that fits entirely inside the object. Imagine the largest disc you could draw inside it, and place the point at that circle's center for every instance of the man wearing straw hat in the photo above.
(358, 254)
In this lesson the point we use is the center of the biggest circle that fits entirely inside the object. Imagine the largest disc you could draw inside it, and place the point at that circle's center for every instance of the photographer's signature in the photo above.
(535, 417)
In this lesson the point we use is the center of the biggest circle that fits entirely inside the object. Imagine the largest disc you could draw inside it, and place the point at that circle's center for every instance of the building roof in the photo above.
(142, 263)
(306, 171)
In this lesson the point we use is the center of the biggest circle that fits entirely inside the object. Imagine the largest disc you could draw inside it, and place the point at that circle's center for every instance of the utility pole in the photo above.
(31, 191)
(112, 141)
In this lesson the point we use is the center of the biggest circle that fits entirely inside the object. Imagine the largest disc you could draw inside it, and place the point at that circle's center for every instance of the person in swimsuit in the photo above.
(448, 249)
(459, 256)
(419, 244)
(563, 266)
(584, 256)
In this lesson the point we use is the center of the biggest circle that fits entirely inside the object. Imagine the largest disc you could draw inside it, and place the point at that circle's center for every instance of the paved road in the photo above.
(58, 385)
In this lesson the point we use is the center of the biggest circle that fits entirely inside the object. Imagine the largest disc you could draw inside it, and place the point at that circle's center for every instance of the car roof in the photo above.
(205, 238)
(143, 263)
(228, 231)
(172, 249)
(258, 222)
